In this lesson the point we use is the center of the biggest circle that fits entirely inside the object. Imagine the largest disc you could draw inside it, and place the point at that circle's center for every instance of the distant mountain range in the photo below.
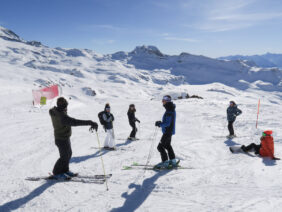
(143, 64)
(267, 60)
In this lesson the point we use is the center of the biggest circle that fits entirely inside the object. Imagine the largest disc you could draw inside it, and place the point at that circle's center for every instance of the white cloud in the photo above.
(234, 15)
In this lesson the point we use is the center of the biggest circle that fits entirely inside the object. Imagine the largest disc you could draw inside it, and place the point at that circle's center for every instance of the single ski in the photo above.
(152, 168)
(79, 180)
(96, 176)
(109, 149)
(128, 139)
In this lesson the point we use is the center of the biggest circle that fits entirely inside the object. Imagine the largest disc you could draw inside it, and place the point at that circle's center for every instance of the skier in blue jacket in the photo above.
(168, 128)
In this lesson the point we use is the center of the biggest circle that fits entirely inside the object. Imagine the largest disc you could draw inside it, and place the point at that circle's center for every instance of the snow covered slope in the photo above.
(217, 180)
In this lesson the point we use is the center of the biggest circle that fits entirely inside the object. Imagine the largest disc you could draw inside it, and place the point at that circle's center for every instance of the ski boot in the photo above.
(60, 177)
(174, 163)
(131, 139)
(231, 136)
(162, 165)
(243, 147)
(71, 174)
(112, 148)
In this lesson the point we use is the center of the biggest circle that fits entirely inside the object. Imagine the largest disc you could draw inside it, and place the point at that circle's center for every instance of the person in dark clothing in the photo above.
(232, 112)
(62, 124)
(168, 128)
(108, 119)
(132, 119)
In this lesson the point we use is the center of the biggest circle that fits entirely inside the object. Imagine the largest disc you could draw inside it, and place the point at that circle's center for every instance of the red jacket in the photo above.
(267, 146)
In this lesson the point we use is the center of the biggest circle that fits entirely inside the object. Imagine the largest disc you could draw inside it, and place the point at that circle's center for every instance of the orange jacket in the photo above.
(267, 146)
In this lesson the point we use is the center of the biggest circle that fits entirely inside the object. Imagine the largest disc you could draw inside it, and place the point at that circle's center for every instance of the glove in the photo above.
(94, 126)
(158, 123)
(138, 121)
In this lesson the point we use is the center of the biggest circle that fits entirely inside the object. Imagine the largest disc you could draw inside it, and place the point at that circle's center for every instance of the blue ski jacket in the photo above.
(169, 117)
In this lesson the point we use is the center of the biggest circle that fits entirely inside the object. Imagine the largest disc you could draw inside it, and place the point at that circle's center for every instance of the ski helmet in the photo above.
(167, 98)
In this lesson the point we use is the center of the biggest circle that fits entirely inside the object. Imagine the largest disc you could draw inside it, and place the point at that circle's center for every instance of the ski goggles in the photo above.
(264, 134)
(166, 99)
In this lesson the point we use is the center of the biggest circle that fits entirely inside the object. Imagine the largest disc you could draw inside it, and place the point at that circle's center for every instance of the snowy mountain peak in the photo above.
(147, 50)
(9, 34)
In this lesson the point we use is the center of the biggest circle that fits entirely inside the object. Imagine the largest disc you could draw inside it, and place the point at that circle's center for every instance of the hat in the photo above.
(232, 102)
(107, 106)
(167, 98)
(131, 105)
(62, 103)
(267, 132)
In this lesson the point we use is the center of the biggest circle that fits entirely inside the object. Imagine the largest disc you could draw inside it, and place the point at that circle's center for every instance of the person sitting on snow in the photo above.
(265, 148)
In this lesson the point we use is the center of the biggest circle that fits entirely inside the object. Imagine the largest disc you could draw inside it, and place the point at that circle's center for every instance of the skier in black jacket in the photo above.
(62, 124)
(132, 119)
(168, 128)
(232, 113)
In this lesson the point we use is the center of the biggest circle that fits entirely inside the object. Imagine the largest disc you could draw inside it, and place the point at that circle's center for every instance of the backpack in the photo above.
(100, 116)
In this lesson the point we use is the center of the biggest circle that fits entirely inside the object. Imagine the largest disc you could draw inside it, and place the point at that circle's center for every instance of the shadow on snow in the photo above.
(134, 200)
(229, 142)
(18, 203)
(96, 154)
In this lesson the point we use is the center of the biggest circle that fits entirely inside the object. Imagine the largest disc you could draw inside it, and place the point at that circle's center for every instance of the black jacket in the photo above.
(62, 123)
(131, 117)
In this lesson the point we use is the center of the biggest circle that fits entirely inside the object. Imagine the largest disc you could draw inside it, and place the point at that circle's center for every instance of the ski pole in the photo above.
(152, 146)
(102, 161)
(139, 125)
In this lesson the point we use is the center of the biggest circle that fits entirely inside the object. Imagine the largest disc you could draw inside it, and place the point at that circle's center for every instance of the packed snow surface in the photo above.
(216, 181)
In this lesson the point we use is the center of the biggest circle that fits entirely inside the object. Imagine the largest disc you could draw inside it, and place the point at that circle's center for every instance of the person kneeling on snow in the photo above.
(168, 128)
(62, 124)
(265, 148)
(108, 119)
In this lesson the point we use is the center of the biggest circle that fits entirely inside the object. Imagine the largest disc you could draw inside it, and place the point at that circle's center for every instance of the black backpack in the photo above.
(100, 116)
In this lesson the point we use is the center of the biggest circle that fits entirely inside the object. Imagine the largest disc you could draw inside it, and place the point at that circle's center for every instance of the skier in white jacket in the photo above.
(108, 119)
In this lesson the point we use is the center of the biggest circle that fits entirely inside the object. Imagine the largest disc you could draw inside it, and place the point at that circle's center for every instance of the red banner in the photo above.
(48, 92)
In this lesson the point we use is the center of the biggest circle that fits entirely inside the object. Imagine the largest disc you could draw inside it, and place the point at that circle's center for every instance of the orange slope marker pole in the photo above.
(258, 114)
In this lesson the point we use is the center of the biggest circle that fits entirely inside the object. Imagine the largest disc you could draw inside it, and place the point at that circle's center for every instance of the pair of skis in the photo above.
(96, 179)
(151, 167)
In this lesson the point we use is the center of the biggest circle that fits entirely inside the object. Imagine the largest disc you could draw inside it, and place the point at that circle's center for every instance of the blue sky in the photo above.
(205, 27)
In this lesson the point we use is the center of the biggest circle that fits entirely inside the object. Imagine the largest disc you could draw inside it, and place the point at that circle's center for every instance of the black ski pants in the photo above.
(62, 164)
(253, 147)
(230, 127)
(134, 130)
(165, 145)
